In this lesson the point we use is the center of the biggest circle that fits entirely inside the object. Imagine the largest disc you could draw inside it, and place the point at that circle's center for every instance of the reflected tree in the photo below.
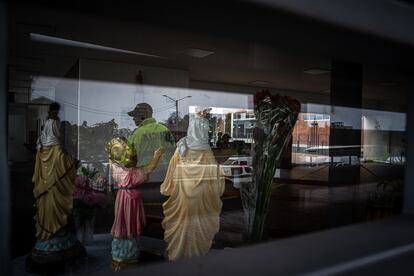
(92, 140)
(179, 129)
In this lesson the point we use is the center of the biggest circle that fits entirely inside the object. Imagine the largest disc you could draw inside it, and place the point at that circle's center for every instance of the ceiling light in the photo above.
(388, 83)
(260, 82)
(73, 43)
(316, 71)
(198, 53)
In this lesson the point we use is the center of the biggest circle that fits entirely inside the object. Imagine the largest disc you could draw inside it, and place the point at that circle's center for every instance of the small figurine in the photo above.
(129, 207)
(194, 184)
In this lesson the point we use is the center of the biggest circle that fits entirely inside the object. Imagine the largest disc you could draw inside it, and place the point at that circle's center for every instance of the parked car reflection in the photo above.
(238, 170)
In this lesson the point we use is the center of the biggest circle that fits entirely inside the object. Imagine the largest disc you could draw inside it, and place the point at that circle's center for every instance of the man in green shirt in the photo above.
(148, 136)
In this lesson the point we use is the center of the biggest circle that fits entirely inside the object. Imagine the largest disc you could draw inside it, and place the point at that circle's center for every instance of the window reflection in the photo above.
(343, 163)
(94, 111)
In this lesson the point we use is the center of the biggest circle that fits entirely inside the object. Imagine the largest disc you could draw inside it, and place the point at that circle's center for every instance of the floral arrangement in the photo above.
(82, 187)
(276, 116)
(89, 193)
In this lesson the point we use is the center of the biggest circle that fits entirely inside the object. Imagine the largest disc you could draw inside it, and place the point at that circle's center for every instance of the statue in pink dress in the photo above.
(129, 208)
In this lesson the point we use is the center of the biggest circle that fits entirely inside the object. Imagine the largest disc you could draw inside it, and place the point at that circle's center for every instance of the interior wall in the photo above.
(67, 94)
(382, 142)
(108, 91)
(302, 97)
(17, 135)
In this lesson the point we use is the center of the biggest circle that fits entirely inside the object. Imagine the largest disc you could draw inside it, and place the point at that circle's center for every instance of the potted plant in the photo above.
(386, 200)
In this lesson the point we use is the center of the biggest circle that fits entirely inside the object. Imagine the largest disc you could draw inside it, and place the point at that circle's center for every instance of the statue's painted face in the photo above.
(120, 152)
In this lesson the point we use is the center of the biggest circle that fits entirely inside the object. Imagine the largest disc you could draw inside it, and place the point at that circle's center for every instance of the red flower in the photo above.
(265, 96)
(260, 96)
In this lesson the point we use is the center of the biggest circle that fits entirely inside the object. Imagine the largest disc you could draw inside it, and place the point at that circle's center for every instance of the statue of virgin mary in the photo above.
(194, 184)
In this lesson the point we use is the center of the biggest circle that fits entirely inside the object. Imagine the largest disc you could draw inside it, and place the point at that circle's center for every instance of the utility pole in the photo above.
(176, 112)
(176, 105)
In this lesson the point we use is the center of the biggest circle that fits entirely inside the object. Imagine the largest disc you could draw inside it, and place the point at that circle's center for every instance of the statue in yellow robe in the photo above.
(194, 184)
(54, 180)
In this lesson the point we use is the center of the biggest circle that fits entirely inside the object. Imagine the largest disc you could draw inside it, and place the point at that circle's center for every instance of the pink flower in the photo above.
(82, 187)
(85, 193)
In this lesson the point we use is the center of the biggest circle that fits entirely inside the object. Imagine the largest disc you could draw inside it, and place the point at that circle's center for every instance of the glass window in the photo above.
(184, 130)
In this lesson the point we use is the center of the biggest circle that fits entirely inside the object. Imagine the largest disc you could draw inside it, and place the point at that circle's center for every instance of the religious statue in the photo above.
(194, 184)
(129, 208)
(53, 179)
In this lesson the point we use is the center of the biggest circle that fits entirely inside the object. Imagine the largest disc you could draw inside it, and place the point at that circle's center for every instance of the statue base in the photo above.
(125, 253)
(55, 262)
(118, 265)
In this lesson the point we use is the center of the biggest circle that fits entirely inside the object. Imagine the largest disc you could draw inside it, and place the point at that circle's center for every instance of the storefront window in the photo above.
(173, 151)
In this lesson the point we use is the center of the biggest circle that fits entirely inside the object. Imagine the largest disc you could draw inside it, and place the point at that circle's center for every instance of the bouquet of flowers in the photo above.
(89, 194)
(276, 116)
(89, 191)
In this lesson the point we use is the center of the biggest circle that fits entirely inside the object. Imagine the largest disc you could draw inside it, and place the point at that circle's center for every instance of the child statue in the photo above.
(53, 179)
(129, 208)
(194, 184)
